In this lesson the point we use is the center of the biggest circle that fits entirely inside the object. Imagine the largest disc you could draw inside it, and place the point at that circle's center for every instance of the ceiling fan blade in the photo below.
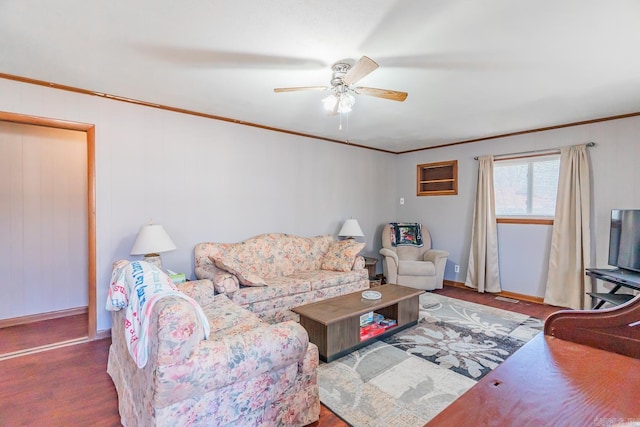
(364, 66)
(294, 89)
(393, 95)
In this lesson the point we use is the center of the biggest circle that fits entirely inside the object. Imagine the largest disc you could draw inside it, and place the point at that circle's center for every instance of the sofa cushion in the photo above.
(202, 291)
(243, 272)
(279, 315)
(228, 318)
(321, 279)
(341, 255)
(319, 246)
(283, 303)
(277, 288)
(416, 268)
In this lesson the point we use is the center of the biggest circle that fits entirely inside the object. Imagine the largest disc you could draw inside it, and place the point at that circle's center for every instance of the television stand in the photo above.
(620, 278)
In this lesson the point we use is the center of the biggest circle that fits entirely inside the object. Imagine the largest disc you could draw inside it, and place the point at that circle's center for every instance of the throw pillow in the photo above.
(341, 255)
(244, 275)
(225, 282)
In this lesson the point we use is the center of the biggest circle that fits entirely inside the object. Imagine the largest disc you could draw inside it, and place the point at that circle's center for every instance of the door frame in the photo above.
(89, 130)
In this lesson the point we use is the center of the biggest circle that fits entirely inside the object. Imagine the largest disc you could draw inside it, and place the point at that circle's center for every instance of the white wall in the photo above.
(524, 257)
(207, 180)
(616, 184)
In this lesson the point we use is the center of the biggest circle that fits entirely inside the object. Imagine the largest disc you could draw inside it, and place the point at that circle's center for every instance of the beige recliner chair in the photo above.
(415, 266)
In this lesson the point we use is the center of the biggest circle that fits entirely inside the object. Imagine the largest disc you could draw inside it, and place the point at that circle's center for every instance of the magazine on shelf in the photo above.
(373, 324)
(387, 323)
(371, 330)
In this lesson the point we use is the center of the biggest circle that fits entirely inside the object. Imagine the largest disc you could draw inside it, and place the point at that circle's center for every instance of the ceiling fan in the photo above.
(344, 76)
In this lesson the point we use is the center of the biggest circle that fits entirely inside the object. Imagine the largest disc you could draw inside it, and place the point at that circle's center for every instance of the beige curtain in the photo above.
(483, 272)
(567, 283)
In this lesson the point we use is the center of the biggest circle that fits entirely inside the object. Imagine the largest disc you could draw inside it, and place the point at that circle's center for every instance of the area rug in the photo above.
(408, 378)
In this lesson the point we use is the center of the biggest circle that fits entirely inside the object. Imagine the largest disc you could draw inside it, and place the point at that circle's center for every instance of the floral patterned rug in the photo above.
(408, 378)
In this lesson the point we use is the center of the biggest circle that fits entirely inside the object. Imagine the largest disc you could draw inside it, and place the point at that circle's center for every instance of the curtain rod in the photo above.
(522, 153)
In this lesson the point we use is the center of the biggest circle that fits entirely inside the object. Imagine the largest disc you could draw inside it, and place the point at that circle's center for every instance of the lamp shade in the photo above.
(152, 239)
(351, 228)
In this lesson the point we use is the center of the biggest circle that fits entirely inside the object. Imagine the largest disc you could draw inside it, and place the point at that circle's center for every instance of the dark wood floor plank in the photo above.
(36, 334)
(65, 386)
(539, 311)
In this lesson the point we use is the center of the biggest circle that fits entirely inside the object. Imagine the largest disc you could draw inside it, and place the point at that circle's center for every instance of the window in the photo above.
(526, 186)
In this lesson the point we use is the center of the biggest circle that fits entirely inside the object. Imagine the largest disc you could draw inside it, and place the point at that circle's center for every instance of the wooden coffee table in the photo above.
(334, 324)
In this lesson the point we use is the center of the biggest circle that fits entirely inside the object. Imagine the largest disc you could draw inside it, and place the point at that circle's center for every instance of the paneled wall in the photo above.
(43, 220)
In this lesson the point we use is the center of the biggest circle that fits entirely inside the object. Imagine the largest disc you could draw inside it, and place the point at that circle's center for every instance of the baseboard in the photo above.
(4, 323)
(507, 294)
(455, 284)
(105, 333)
(522, 297)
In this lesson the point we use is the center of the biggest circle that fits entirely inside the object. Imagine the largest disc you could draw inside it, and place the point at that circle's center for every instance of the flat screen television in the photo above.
(624, 239)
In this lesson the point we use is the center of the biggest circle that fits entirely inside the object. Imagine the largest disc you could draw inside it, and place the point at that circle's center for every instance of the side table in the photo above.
(374, 279)
(370, 263)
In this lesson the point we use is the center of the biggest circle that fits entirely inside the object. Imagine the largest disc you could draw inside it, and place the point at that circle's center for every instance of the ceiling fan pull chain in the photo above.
(347, 126)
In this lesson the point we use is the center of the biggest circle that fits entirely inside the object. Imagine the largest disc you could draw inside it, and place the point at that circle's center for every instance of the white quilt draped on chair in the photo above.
(570, 253)
(483, 272)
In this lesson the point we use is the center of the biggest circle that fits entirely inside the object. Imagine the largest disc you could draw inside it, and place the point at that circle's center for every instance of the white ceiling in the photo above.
(472, 68)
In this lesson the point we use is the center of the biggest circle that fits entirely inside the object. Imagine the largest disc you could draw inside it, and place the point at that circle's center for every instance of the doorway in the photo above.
(89, 138)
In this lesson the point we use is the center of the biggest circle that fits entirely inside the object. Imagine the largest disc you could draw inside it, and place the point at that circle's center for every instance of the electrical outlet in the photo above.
(456, 269)
(402, 200)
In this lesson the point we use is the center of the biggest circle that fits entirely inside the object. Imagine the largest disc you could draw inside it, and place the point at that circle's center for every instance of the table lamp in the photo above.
(151, 241)
(351, 229)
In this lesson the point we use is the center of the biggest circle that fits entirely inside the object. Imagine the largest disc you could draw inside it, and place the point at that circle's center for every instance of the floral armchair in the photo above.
(246, 373)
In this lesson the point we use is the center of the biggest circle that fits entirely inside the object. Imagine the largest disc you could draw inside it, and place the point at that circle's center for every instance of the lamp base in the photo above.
(154, 259)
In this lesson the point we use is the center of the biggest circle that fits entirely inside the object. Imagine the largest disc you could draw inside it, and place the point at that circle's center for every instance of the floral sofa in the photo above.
(272, 273)
(246, 373)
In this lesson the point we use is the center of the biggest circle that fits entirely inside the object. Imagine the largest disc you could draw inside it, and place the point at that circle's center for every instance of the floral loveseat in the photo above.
(272, 273)
(246, 373)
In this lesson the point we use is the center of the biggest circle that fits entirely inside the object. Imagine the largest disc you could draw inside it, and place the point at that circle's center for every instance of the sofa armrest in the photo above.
(434, 255)
(223, 281)
(218, 363)
(200, 290)
(174, 330)
(390, 264)
(359, 263)
(391, 254)
(309, 364)
(439, 259)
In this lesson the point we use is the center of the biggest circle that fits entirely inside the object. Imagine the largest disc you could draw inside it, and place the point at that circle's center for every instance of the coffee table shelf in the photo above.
(334, 324)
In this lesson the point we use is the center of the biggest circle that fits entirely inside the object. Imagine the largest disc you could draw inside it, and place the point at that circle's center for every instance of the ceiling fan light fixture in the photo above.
(330, 102)
(345, 104)
(339, 102)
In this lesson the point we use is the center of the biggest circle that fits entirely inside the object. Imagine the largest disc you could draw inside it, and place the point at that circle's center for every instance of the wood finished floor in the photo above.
(69, 386)
(36, 334)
